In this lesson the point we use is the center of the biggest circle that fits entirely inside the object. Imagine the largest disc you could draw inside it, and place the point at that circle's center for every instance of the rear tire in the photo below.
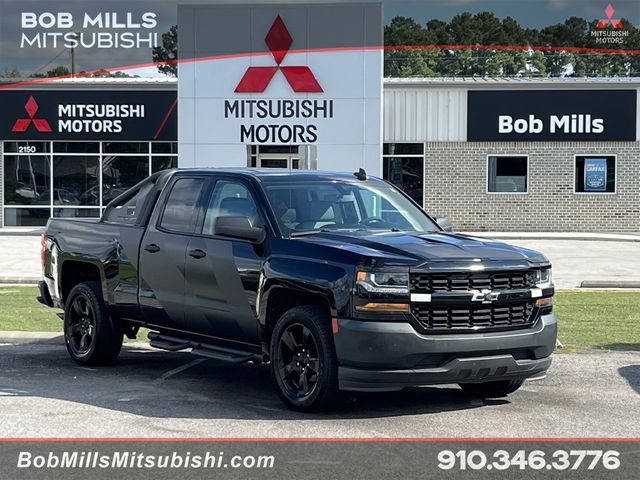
(304, 366)
(492, 389)
(90, 334)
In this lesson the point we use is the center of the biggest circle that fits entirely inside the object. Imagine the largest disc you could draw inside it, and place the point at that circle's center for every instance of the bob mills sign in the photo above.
(552, 115)
(291, 74)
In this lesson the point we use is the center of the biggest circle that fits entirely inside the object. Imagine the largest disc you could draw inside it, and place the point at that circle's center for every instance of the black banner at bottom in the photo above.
(319, 459)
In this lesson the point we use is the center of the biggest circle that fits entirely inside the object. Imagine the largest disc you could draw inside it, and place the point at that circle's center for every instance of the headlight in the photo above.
(381, 292)
(390, 283)
(543, 276)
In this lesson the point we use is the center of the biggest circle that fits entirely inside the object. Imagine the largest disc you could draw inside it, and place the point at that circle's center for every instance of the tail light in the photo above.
(43, 249)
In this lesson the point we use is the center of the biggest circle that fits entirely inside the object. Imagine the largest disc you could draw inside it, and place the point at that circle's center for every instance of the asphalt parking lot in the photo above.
(150, 393)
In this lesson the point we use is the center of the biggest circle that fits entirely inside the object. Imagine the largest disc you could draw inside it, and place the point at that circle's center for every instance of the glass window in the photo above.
(27, 147)
(293, 149)
(76, 212)
(76, 147)
(180, 210)
(27, 180)
(76, 180)
(163, 162)
(273, 163)
(507, 174)
(595, 174)
(403, 149)
(128, 209)
(125, 147)
(26, 217)
(407, 174)
(121, 173)
(345, 206)
(229, 199)
(164, 147)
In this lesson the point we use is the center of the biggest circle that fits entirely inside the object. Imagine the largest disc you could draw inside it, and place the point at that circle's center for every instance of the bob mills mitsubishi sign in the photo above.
(551, 115)
(288, 75)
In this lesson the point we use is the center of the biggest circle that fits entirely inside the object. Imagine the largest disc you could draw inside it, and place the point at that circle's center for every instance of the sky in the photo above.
(529, 13)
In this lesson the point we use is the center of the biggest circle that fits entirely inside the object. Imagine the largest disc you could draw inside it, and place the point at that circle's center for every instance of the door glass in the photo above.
(273, 163)
(231, 199)
(180, 211)
(407, 174)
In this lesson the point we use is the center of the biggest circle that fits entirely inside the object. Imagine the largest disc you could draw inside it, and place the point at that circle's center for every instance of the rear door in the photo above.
(163, 250)
(222, 274)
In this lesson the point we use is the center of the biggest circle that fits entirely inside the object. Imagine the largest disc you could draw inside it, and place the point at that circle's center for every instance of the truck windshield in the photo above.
(340, 206)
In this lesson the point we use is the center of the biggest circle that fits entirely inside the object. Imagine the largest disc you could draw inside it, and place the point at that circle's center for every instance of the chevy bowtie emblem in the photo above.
(484, 296)
(301, 78)
(22, 124)
(603, 22)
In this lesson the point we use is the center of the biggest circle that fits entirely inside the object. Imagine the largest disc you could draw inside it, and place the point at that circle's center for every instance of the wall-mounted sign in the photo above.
(88, 115)
(595, 174)
(551, 115)
(299, 75)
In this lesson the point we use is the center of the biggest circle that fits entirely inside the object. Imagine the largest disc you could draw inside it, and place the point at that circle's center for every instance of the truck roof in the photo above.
(274, 174)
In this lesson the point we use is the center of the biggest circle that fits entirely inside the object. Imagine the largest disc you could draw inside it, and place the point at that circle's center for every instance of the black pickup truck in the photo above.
(340, 281)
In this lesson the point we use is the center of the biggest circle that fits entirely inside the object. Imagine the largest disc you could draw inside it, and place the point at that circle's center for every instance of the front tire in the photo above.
(90, 334)
(492, 389)
(304, 366)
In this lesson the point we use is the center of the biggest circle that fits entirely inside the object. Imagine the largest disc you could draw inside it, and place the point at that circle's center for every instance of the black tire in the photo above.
(307, 328)
(90, 334)
(492, 389)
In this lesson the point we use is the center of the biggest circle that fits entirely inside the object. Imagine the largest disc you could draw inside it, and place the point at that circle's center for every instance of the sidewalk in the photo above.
(593, 260)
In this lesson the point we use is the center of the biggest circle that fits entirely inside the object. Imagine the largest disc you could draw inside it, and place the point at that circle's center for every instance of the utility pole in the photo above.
(73, 56)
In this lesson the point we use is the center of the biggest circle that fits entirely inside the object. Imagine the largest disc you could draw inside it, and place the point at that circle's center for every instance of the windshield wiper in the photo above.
(307, 232)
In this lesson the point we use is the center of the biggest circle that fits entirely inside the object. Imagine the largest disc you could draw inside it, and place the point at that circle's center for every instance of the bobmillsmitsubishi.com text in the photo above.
(140, 460)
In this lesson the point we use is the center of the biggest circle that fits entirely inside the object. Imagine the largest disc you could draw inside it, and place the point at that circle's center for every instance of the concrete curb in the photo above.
(626, 284)
(17, 337)
(18, 281)
(594, 237)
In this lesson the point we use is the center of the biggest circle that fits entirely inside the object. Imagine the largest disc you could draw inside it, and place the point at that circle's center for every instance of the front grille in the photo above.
(437, 318)
(455, 282)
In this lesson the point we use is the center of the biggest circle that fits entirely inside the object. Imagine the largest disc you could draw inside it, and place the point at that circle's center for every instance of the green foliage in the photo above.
(484, 30)
(165, 56)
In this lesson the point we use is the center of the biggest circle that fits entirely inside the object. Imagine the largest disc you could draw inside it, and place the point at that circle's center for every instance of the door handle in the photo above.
(152, 248)
(197, 253)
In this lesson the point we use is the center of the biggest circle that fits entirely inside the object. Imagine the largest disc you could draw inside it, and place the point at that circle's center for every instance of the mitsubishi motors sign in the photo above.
(291, 75)
(88, 115)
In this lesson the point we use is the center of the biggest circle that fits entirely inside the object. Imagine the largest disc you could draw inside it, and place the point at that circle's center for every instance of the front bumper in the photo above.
(384, 356)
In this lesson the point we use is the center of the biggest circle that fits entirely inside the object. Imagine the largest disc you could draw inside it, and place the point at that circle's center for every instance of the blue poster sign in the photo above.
(595, 174)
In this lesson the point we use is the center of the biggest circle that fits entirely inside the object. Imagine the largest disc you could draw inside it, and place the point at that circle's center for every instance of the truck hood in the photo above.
(416, 249)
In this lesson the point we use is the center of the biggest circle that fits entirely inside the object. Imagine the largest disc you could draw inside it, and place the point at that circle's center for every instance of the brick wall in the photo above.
(455, 186)
(1, 185)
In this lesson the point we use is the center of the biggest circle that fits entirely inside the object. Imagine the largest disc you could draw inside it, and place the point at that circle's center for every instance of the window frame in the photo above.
(199, 218)
(596, 155)
(258, 197)
(486, 175)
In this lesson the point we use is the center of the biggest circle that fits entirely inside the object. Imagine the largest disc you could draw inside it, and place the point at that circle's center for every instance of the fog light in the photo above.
(383, 307)
(544, 302)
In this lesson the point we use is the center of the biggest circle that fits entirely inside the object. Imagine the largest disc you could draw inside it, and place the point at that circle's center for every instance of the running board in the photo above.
(216, 352)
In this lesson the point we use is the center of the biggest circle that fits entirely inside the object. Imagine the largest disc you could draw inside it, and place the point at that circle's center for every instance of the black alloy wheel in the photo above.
(82, 325)
(298, 363)
(304, 366)
(91, 334)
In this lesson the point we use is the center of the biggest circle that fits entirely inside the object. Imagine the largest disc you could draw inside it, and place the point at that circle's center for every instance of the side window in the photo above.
(229, 198)
(180, 210)
(128, 209)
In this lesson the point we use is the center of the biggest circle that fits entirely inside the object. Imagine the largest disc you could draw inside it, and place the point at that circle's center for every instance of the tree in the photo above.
(10, 73)
(165, 57)
(59, 71)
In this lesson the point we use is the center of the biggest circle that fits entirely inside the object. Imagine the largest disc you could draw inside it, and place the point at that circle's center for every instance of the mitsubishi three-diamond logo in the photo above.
(615, 22)
(300, 78)
(22, 124)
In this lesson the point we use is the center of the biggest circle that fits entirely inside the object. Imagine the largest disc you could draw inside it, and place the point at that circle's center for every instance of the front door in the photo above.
(222, 274)
(163, 251)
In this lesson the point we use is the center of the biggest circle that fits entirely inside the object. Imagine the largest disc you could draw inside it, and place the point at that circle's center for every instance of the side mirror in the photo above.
(238, 227)
(445, 223)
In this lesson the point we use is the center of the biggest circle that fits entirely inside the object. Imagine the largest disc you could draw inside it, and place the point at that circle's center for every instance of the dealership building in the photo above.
(493, 154)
